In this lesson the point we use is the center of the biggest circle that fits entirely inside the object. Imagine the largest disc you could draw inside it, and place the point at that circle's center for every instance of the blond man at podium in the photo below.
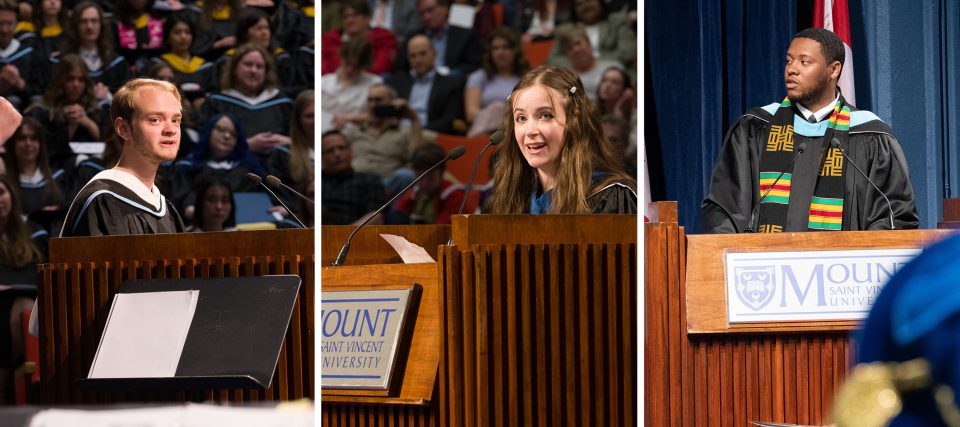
(146, 115)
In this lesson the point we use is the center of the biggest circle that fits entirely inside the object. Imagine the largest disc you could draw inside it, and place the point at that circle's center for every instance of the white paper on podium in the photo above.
(144, 335)
(409, 252)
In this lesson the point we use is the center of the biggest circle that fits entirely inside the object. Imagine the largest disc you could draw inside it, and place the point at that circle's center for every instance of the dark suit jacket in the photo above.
(445, 103)
(463, 54)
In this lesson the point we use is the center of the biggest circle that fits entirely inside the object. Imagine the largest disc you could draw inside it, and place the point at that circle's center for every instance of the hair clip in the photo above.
(573, 89)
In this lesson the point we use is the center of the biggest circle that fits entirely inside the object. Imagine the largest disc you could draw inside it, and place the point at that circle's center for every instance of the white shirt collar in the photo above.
(822, 113)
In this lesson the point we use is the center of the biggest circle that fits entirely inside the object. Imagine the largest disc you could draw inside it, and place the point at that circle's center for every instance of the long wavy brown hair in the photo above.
(18, 249)
(53, 97)
(520, 65)
(585, 150)
(301, 168)
(52, 190)
(72, 33)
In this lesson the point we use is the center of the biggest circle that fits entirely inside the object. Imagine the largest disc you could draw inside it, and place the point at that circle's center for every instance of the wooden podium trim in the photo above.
(419, 373)
(705, 287)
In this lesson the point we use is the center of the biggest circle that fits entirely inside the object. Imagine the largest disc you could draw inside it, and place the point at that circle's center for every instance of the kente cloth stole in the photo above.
(826, 205)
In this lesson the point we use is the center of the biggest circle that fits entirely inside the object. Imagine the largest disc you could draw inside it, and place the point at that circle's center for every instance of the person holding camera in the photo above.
(383, 143)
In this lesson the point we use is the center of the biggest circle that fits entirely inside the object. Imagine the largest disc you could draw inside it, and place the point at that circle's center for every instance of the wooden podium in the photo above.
(84, 273)
(536, 324)
(701, 370)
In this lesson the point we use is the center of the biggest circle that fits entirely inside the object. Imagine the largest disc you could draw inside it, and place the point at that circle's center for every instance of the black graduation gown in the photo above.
(35, 195)
(29, 63)
(272, 115)
(113, 74)
(295, 26)
(615, 198)
(734, 186)
(57, 136)
(106, 208)
(278, 165)
(194, 83)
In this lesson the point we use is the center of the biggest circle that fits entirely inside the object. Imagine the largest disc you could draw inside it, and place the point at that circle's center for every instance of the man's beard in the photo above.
(814, 94)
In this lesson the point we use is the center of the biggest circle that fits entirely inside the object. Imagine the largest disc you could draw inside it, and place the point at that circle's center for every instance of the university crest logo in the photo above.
(754, 286)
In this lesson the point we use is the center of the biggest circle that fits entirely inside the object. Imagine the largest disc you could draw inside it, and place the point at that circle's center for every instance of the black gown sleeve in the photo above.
(726, 209)
(882, 159)
(615, 199)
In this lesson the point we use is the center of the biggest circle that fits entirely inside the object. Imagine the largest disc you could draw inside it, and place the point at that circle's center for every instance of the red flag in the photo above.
(834, 15)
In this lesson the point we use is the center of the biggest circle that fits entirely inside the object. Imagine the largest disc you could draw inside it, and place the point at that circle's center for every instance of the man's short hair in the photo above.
(391, 92)
(123, 104)
(425, 156)
(566, 35)
(830, 45)
(361, 7)
(11, 6)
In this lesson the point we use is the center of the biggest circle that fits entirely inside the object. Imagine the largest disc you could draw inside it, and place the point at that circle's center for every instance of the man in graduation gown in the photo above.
(146, 115)
(789, 156)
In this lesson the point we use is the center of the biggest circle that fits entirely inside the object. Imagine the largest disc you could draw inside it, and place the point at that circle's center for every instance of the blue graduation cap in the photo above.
(908, 361)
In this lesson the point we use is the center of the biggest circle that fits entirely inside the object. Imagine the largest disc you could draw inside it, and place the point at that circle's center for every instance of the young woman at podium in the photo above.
(557, 159)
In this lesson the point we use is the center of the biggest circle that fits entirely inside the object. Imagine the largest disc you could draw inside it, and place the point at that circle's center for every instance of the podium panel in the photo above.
(702, 371)
(84, 273)
(537, 326)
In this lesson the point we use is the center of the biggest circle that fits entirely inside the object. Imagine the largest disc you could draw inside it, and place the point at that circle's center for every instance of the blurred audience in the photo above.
(399, 17)
(436, 97)
(41, 187)
(344, 92)
(216, 209)
(575, 44)
(434, 199)
(347, 197)
(488, 88)
(294, 164)
(610, 36)
(355, 16)
(458, 50)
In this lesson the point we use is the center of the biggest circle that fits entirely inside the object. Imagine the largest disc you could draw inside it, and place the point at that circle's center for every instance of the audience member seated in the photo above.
(484, 17)
(301, 70)
(295, 26)
(47, 22)
(457, 49)
(195, 76)
(616, 96)
(217, 22)
(24, 246)
(611, 37)
(139, 32)
(541, 20)
(254, 27)
(344, 92)
(293, 164)
(485, 99)
(382, 145)
(69, 111)
(347, 196)
(355, 15)
(89, 167)
(216, 210)
(220, 153)
(434, 199)
(18, 60)
(575, 44)
(437, 98)
(617, 131)
(41, 188)
(249, 92)
(88, 35)
(399, 17)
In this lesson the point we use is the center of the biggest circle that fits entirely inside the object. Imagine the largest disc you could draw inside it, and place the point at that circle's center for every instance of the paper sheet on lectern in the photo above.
(144, 335)
(409, 252)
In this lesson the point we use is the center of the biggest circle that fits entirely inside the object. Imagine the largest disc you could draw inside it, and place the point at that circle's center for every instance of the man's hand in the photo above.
(265, 141)
(74, 113)
(10, 75)
(10, 119)
(405, 111)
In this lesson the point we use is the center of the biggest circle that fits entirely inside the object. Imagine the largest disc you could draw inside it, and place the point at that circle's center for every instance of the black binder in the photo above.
(234, 339)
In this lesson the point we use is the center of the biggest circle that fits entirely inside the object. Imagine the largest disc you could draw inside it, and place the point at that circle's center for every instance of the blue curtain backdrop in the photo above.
(712, 60)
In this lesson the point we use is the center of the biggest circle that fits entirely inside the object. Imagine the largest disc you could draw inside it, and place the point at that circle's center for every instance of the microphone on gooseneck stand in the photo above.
(259, 181)
(277, 184)
(495, 139)
(342, 256)
(835, 143)
(753, 212)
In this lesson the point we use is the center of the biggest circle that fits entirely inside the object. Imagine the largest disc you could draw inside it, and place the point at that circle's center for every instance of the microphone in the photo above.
(835, 143)
(495, 139)
(259, 181)
(342, 256)
(277, 184)
(753, 212)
